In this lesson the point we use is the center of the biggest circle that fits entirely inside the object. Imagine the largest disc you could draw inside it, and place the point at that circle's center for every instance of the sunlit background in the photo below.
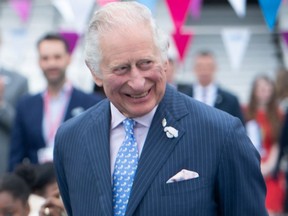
(247, 38)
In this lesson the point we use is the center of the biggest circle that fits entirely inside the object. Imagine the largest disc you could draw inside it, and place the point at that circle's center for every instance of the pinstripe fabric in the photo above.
(210, 142)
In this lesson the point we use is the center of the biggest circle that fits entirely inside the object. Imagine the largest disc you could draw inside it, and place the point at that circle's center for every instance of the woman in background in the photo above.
(263, 109)
(282, 89)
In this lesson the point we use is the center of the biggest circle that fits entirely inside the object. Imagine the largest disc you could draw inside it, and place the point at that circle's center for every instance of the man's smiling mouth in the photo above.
(136, 96)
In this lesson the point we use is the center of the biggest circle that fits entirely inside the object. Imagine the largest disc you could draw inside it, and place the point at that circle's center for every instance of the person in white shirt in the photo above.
(206, 89)
(38, 116)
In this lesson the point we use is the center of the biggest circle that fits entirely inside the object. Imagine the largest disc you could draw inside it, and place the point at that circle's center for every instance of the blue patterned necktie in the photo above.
(125, 168)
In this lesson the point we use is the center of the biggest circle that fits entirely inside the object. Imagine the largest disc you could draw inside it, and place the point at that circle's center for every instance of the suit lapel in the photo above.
(38, 117)
(157, 146)
(99, 153)
(192, 91)
(71, 104)
(219, 99)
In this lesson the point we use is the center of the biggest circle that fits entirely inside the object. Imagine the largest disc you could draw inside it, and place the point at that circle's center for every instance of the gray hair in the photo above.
(114, 16)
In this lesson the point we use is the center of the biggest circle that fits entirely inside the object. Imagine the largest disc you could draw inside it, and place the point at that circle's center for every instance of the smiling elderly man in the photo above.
(148, 149)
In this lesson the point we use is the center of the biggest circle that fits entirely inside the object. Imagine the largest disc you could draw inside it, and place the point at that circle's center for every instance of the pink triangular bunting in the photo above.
(71, 38)
(196, 6)
(181, 41)
(22, 8)
(178, 11)
(103, 2)
(285, 37)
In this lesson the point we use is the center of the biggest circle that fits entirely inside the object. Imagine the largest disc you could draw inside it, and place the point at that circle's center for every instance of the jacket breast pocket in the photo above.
(186, 186)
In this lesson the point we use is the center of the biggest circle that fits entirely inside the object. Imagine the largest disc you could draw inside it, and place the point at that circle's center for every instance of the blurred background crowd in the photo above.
(232, 55)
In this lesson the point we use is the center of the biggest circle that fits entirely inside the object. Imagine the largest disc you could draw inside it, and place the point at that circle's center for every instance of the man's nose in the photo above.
(51, 61)
(137, 80)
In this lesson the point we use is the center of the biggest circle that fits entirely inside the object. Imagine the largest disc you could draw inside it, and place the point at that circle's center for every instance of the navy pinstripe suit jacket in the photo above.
(210, 142)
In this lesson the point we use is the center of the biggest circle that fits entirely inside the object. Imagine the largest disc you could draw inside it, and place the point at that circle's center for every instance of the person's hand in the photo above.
(53, 206)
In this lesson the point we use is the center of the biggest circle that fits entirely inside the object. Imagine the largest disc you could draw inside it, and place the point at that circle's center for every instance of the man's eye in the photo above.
(146, 62)
(44, 58)
(145, 65)
(121, 70)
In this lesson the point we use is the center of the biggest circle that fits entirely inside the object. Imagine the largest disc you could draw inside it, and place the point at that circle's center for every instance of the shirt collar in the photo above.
(210, 88)
(66, 88)
(117, 117)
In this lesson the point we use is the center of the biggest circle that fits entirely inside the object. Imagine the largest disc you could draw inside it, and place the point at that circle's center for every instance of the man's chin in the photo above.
(137, 112)
(56, 82)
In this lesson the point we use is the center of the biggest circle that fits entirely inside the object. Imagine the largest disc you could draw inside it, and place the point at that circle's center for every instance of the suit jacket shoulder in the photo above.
(229, 103)
(228, 95)
(29, 102)
(88, 117)
(86, 98)
(185, 89)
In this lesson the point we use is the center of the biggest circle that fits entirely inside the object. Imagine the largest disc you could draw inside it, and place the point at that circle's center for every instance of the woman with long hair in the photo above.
(263, 109)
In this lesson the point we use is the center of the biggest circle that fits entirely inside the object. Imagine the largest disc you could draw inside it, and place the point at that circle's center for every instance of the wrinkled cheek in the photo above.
(159, 74)
(112, 85)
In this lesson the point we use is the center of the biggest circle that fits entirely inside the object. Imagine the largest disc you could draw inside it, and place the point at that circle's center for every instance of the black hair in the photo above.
(205, 53)
(54, 36)
(45, 175)
(16, 186)
(37, 176)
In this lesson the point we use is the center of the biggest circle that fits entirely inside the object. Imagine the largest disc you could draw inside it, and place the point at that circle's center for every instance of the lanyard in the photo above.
(51, 125)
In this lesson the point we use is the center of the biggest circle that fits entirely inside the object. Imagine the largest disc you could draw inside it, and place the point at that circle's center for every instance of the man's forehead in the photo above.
(52, 47)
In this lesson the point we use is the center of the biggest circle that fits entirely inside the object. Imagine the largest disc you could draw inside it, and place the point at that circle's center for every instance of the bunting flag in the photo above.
(65, 9)
(239, 7)
(103, 2)
(270, 10)
(82, 10)
(285, 37)
(195, 9)
(181, 41)
(71, 38)
(151, 4)
(178, 11)
(235, 42)
(14, 39)
(22, 8)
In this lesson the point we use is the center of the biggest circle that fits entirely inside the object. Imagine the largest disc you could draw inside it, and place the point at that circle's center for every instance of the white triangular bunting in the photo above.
(82, 10)
(239, 7)
(235, 41)
(65, 9)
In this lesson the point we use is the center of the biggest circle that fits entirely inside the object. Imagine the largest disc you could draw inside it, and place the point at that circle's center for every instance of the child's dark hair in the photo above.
(16, 186)
(37, 176)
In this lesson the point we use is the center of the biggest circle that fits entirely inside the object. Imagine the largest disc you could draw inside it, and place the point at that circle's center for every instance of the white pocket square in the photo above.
(183, 175)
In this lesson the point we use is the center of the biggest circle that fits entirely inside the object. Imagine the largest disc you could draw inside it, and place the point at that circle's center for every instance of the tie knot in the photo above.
(129, 125)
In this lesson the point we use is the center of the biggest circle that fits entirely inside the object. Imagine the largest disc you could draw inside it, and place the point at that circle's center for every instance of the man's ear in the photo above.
(96, 77)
